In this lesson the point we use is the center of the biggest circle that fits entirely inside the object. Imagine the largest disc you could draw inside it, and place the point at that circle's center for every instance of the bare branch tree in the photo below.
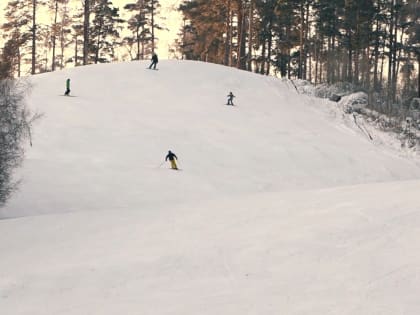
(15, 126)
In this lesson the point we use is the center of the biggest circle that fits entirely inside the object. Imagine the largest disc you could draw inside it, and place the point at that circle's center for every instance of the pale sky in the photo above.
(172, 21)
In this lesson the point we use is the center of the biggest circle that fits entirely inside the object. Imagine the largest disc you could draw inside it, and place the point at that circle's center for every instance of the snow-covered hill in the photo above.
(102, 149)
(279, 207)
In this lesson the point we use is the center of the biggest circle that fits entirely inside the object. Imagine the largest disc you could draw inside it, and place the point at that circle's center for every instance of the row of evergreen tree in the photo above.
(44, 35)
(374, 44)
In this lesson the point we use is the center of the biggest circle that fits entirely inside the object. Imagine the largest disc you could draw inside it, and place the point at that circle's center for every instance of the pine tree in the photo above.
(17, 30)
(138, 25)
(208, 30)
(104, 31)
(287, 37)
(265, 24)
(153, 6)
(410, 24)
(8, 59)
(60, 28)
(86, 30)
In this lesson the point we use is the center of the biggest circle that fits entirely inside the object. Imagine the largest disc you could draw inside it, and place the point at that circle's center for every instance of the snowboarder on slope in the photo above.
(230, 98)
(67, 87)
(154, 61)
(172, 157)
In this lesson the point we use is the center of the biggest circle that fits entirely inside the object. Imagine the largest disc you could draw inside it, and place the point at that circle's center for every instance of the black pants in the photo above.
(153, 64)
(67, 91)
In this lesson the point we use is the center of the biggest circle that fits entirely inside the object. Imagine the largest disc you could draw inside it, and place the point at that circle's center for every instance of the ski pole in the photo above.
(161, 164)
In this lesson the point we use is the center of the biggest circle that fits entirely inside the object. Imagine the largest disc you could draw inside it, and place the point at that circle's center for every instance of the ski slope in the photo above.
(279, 208)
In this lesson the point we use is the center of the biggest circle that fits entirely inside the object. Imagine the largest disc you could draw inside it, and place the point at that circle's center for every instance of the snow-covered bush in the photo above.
(355, 102)
(414, 110)
(324, 90)
(339, 88)
(304, 87)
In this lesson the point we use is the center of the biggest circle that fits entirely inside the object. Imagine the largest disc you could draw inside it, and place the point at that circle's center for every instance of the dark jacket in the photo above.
(171, 156)
(155, 58)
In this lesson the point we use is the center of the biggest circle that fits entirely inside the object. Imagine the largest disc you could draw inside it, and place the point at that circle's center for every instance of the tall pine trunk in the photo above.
(251, 14)
(376, 58)
(395, 51)
(153, 26)
(34, 4)
(54, 37)
(305, 50)
(350, 58)
(86, 32)
(228, 34)
(390, 96)
(76, 48)
(270, 44)
(241, 62)
(262, 66)
(418, 74)
(301, 48)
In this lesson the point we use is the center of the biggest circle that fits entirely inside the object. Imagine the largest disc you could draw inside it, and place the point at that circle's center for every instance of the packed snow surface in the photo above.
(279, 206)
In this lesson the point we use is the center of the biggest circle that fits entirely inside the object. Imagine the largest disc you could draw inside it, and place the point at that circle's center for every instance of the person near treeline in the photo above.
(172, 157)
(154, 61)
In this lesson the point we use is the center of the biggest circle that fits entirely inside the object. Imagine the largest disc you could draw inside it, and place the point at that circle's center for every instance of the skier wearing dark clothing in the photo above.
(154, 61)
(230, 98)
(67, 87)
(172, 157)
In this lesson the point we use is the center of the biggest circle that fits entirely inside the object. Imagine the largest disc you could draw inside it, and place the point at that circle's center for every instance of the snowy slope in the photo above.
(336, 251)
(279, 208)
(102, 149)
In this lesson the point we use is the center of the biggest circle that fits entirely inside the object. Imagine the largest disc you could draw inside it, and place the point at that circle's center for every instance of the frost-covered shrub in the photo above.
(355, 102)
(414, 110)
(415, 103)
(374, 110)
(325, 90)
(303, 86)
(339, 88)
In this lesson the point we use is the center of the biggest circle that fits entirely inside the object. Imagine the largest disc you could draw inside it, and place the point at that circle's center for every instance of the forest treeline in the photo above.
(372, 44)
(45, 35)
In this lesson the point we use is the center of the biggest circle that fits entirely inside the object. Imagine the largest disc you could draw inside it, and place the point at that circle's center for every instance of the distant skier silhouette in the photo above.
(67, 87)
(172, 157)
(154, 61)
(230, 98)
